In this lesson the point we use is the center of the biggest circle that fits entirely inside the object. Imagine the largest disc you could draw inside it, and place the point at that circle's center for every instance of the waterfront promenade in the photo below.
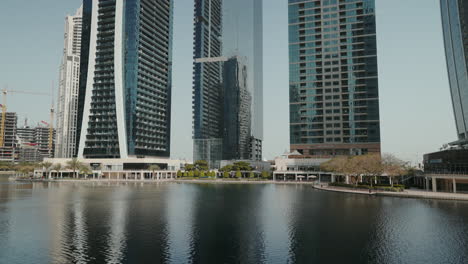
(405, 194)
(417, 194)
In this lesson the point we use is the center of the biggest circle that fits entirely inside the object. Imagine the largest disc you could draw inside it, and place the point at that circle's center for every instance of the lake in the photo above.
(223, 223)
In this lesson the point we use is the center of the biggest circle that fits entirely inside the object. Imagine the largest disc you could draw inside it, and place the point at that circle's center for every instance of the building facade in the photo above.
(67, 103)
(124, 100)
(455, 28)
(447, 169)
(237, 119)
(334, 96)
(33, 143)
(8, 149)
(224, 32)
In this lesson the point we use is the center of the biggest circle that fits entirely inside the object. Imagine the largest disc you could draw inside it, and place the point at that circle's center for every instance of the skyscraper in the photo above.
(125, 81)
(237, 102)
(228, 33)
(455, 28)
(334, 97)
(67, 105)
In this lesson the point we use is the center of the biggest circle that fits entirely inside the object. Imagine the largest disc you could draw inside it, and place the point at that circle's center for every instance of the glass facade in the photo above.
(84, 62)
(127, 99)
(334, 97)
(236, 111)
(226, 29)
(455, 29)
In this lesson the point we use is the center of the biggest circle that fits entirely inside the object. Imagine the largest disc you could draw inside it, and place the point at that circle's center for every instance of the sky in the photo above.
(415, 105)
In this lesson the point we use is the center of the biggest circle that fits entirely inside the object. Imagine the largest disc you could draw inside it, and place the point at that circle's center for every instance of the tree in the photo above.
(189, 167)
(252, 175)
(265, 175)
(242, 166)
(238, 174)
(369, 165)
(227, 168)
(46, 166)
(85, 170)
(26, 168)
(201, 165)
(57, 168)
(190, 174)
(393, 167)
(179, 174)
(74, 165)
(153, 168)
(225, 174)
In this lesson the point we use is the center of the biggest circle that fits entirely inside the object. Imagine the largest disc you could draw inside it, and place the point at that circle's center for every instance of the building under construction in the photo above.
(8, 144)
(33, 143)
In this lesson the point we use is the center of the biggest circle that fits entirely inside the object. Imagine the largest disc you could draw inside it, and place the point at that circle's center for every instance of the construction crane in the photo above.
(5, 92)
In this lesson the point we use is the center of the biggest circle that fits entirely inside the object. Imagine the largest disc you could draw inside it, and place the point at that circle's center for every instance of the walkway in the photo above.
(405, 194)
(427, 195)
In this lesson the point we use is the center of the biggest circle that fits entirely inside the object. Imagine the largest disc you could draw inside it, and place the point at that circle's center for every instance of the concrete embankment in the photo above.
(405, 194)
(214, 181)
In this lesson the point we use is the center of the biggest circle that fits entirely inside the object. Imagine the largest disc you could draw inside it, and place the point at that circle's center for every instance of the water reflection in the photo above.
(226, 227)
(205, 223)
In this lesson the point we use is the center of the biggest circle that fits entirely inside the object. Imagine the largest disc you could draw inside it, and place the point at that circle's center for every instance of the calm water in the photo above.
(202, 223)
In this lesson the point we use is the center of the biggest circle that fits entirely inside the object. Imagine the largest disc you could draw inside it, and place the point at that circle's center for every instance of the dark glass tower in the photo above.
(237, 118)
(227, 32)
(125, 90)
(455, 28)
(334, 97)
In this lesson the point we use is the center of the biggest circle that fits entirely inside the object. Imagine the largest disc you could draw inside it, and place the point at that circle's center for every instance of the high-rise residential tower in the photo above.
(455, 28)
(125, 82)
(67, 104)
(334, 96)
(228, 76)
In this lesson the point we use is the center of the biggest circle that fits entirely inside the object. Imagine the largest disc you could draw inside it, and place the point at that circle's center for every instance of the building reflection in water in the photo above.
(179, 218)
(211, 223)
(118, 221)
(233, 237)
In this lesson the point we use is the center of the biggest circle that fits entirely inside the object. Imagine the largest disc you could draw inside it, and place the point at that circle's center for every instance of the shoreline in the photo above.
(410, 194)
(215, 181)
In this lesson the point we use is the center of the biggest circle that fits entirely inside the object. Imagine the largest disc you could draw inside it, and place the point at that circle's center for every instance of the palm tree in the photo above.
(46, 165)
(74, 165)
(153, 168)
(85, 170)
(57, 167)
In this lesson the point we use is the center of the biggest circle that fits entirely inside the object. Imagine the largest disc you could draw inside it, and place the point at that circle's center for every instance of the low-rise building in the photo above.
(296, 166)
(445, 170)
(122, 169)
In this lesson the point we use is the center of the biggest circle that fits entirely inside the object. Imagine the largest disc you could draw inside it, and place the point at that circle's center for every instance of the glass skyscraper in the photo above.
(334, 96)
(228, 33)
(455, 28)
(125, 81)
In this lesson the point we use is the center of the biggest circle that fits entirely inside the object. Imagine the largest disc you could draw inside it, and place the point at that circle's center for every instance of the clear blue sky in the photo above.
(416, 112)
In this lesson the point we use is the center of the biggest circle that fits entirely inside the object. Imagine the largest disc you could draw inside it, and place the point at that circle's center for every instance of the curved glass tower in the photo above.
(455, 28)
(228, 80)
(125, 93)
